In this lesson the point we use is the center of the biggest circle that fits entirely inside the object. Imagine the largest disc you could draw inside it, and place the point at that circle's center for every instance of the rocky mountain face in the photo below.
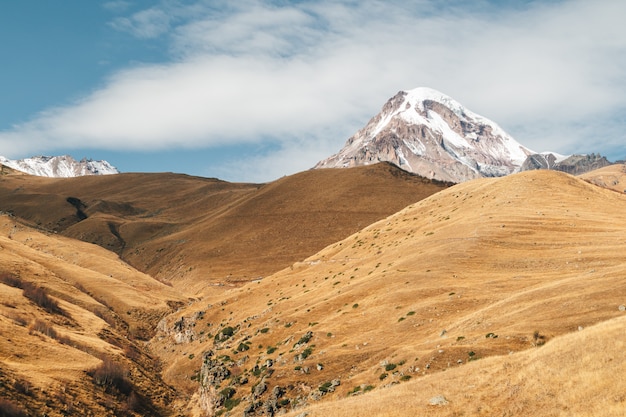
(59, 166)
(573, 164)
(428, 133)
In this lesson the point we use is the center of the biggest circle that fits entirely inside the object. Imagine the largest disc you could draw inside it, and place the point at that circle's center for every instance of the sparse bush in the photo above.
(112, 374)
(368, 388)
(304, 339)
(390, 367)
(225, 334)
(306, 353)
(405, 377)
(243, 347)
(23, 387)
(270, 350)
(325, 387)
(43, 328)
(383, 376)
(227, 393)
(39, 296)
(9, 409)
(11, 280)
(265, 330)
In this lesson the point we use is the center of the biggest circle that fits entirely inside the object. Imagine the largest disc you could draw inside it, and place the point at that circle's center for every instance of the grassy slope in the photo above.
(612, 177)
(106, 309)
(192, 231)
(527, 258)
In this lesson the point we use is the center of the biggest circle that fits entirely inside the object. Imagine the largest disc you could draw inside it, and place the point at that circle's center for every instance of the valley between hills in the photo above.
(361, 291)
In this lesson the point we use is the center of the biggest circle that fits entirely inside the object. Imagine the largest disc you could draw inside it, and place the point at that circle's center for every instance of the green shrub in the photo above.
(390, 366)
(325, 387)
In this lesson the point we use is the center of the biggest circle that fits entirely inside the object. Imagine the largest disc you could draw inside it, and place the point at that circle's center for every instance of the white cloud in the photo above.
(552, 74)
(117, 6)
(146, 24)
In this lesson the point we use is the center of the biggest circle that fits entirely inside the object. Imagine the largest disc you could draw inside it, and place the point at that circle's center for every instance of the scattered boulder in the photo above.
(438, 400)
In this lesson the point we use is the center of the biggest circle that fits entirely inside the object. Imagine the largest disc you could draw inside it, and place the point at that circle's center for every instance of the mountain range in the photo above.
(359, 290)
(421, 131)
(59, 166)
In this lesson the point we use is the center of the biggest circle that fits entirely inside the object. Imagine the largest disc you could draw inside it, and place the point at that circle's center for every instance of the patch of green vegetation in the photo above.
(368, 388)
(306, 352)
(355, 305)
(390, 366)
(271, 349)
(264, 330)
(325, 387)
(405, 377)
(383, 376)
(410, 313)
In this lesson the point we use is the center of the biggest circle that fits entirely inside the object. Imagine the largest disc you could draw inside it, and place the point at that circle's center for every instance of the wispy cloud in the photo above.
(242, 72)
(146, 24)
(116, 6)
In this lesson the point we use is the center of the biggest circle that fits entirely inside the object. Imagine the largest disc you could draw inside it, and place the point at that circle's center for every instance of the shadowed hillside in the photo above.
(192, 231)
(73, 323)
(483, 269)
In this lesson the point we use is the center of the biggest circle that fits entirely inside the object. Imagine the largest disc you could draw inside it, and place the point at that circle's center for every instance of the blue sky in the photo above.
(253, 90)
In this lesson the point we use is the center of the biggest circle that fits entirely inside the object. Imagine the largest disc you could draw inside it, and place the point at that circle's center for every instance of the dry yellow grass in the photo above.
(577, 374)
(482, 269)
(502, 295)
(612, 177)
(104, 307)
(192, 231)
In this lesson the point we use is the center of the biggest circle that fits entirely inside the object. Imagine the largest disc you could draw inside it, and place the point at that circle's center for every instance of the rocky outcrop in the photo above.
(574, 164)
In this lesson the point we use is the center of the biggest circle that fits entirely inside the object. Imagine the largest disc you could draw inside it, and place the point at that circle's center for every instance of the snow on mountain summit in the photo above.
(428, 133)
(59, 166)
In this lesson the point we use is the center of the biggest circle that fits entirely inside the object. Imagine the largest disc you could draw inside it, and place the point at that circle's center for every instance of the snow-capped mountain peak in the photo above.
(429, 133)
(59, 166)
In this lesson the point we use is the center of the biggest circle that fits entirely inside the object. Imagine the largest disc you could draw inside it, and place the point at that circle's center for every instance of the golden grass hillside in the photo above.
(194, 231)
(612, 177)
(482, 270)
(73, 323)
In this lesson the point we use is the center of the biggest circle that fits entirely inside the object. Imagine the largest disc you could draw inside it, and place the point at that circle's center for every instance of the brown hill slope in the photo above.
(193, 231)
(486, 268)
(73, 320)
(612, 177)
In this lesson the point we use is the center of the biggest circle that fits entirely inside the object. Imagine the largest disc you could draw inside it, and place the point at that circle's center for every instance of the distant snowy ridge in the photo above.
(428, 133)
(59, 166)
